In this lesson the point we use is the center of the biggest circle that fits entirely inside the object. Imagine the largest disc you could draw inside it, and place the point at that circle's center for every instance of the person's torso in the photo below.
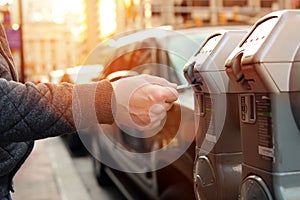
(12, 155)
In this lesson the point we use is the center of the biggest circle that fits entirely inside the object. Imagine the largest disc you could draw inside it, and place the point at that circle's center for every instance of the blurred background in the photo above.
(53, 35)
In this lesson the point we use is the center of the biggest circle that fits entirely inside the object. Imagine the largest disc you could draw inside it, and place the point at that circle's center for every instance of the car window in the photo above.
(163, 54)
(144, 57)
(181, 47)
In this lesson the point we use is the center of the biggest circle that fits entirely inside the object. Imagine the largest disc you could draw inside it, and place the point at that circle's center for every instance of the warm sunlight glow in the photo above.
(131, 2)
(15, 26)
(63, 7)
(4, 2)
(136, 2)
(108, 17)
(127, 3)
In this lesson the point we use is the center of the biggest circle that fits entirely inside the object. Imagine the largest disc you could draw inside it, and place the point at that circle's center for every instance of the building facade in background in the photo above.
(59, 34)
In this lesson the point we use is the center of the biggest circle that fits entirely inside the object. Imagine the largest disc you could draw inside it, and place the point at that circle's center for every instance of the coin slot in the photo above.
(247, 108)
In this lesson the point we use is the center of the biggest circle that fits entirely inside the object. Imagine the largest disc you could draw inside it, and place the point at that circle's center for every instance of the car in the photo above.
(160, 166)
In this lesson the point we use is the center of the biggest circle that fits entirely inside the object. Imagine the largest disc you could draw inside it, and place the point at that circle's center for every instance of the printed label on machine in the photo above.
(265, 151)
(264, 121)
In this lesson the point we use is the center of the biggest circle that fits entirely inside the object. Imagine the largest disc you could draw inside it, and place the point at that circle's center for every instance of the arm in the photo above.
(30, 112)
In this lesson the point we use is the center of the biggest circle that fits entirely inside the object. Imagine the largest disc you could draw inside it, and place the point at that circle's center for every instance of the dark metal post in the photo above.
(22, 67)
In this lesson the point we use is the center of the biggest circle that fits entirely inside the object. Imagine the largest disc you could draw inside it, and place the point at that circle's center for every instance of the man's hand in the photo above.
(141, 102)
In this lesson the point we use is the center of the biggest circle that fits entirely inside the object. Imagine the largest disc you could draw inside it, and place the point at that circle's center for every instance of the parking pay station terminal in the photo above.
(217, 167)
(265, 68)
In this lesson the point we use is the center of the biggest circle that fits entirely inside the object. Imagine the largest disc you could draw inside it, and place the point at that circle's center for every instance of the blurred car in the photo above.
(115, 153)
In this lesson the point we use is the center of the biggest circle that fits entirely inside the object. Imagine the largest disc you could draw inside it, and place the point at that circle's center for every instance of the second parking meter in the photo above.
(265, 69)
(217, 166)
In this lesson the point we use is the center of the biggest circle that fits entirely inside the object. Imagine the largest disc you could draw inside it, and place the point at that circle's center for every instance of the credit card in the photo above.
(185, 86)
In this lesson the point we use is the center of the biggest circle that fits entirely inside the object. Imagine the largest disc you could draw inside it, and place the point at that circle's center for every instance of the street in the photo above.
(84, 167)
(51, 173)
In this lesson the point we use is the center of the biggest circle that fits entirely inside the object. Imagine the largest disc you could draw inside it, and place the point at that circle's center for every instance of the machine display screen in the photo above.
(210, 45)
(260, 33)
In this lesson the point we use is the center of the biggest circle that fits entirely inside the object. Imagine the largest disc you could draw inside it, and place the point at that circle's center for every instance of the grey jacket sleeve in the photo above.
(31, 112)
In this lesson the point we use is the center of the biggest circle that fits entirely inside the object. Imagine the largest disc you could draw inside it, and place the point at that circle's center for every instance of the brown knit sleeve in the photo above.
(103, 99)
(31, 112)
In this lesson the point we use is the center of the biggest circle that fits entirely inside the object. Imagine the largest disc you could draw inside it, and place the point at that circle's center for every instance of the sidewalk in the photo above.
(49, 174)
